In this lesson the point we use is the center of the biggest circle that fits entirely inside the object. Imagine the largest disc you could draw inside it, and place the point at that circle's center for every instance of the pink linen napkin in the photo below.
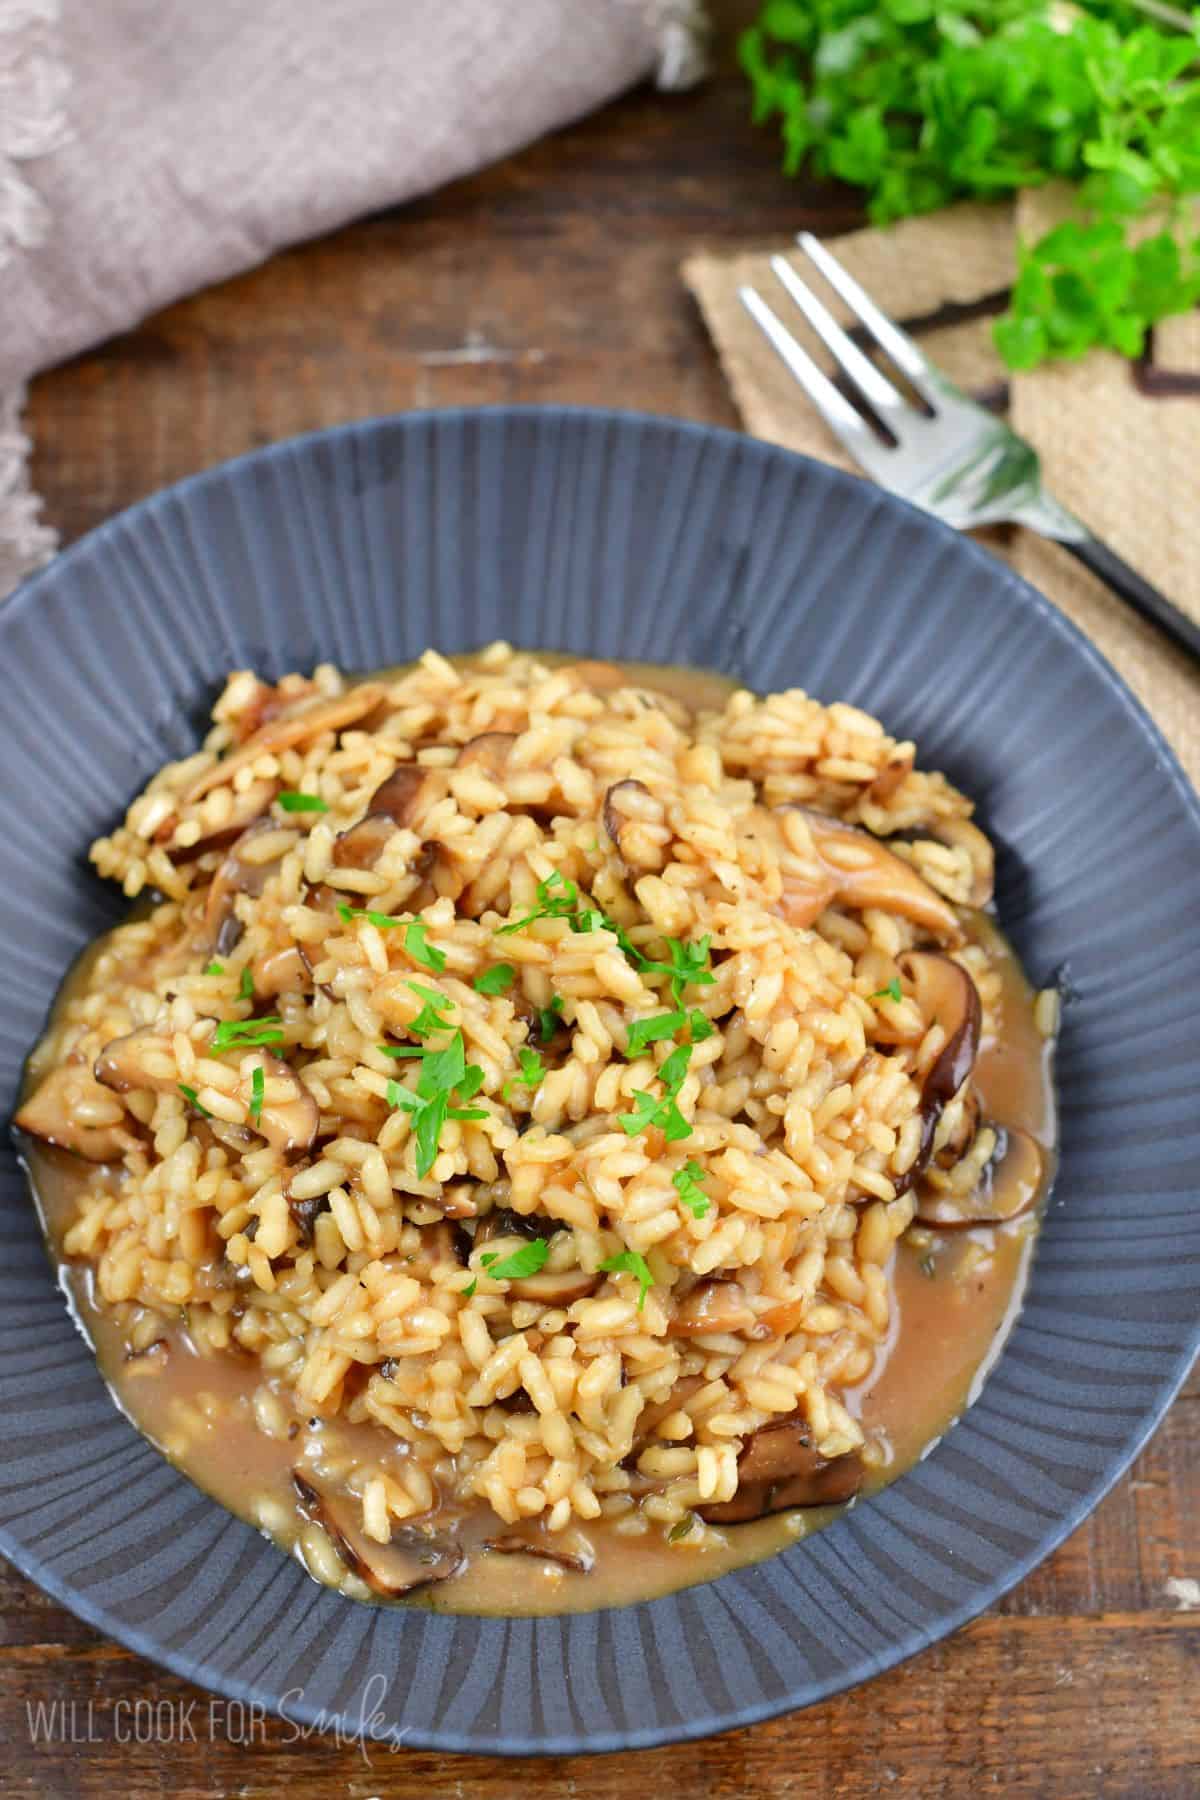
(151, 147)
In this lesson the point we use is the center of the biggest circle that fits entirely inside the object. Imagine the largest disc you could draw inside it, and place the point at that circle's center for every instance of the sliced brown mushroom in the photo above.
(123, 1063)
(308, 718)
(137, 1061)
(640, 842)
(283, 971)
(248, 807)
(1010, 1186)
(502, 1221)
(412, 1559)
(557, 1288)
(236, 875)
(489, 753)
(715, 1306)
(945, 995)
(858, 870)
(779, 1469)
(50, 1114)
(962, 835)
(512, 1544)
(289, 1125)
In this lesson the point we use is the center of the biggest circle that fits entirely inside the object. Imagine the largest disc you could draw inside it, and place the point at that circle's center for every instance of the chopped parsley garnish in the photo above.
(400, 1049)
(629, 1262)
(301, 803)
(382, 921)
(651, 1031)
(890, 992)
(526, 1261)
(682, 1529)
(557, 898)
(686, 1182)
(215, 968)
(661, 1112)
(496, 980)
(548, 1017)
(469, 1289)
(189, 1094)
(246, 984)
(429, 1019)
(247, 1031)
(443, 1073)
(700, 1026)
(258, 1088)
(421, 952)
(533, 1071)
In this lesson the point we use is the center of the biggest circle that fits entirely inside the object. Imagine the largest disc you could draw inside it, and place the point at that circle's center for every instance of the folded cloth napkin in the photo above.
(148, 150)
(1119, 442)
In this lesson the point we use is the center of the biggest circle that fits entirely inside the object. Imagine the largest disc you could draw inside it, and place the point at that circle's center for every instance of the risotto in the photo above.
(548, 1131)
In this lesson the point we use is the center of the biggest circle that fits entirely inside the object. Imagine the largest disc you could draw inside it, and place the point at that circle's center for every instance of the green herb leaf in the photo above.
(526, 1261)
(644, 1113)
(686, 1182)
(258, 1084)
(919, 104)
(629, 1262)
(420, 951)
(557, 898)
(394, 1091)
(469, 1290)
(548, 1017)
(682, 1529)
(214, 968)
(673, 1071)
(301, 803)
(651, 1031)
(247, 1031)
(246, 985)
(429, 1019)
(400, 1049)
(496, 980)
(701, 1027)
(890, 992)
(189, 1094)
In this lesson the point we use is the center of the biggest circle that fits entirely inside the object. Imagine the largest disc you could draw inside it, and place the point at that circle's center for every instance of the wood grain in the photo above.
(555, 277)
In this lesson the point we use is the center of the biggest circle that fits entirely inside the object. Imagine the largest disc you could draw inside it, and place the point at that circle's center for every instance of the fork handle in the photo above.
(1134, 588)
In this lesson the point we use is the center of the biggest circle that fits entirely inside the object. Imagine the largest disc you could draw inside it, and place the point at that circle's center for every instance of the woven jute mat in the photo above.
(1120, 444)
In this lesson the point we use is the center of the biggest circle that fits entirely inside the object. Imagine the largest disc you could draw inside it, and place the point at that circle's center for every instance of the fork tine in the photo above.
(869, 381)
(842, 418)
(896, 343)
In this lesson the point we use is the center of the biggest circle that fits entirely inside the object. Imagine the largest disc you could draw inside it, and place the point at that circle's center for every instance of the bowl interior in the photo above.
(621, 536)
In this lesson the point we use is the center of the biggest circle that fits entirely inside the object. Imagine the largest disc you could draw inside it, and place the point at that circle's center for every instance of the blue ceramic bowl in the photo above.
(616, 535)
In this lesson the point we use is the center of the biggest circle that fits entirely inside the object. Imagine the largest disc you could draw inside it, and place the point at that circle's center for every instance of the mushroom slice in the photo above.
(1010, 1186)
(864, 872)
(308, 719)
(283, 971)
(289, 1124)
(50, 1113)
(715, 1306)
(412, 1559)
(141, 1059)
(778, 1469)
(248, 807)
(502, 1221)
(641, 841)
(489, 752)
(961, 834)
(947, 996)
(235, 876)
(557, 1289)
(513, 1544)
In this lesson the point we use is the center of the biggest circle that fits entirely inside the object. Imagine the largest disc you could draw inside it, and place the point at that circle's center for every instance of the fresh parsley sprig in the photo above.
(686, 1182)
(528, 1260)
(630, 1262)
(445, 1081)
(920, 103)
(248, 1032)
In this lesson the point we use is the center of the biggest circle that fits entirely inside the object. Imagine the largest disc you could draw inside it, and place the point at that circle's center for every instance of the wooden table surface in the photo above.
(554, 277)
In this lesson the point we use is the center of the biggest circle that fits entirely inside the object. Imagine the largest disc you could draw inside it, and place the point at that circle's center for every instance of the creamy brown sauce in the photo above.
(956, 1295)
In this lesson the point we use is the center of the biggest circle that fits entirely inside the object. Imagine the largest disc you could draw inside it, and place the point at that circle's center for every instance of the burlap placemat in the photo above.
(1119, 446)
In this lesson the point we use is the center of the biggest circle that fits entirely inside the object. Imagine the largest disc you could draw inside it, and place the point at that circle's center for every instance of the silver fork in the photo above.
(956, 460)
